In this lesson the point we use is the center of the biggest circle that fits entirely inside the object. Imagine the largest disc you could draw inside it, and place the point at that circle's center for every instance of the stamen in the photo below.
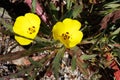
(67, 32)
(28, 28)
(66, 36)
(31, 30)
(63, 35)
(33, 26)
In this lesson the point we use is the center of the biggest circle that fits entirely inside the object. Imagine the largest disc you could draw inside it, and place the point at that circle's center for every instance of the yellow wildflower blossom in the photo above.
(67, 32)
(26, 26)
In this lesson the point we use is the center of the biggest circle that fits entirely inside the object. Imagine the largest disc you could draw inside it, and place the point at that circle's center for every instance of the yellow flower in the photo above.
(67, 32)
(26, 26)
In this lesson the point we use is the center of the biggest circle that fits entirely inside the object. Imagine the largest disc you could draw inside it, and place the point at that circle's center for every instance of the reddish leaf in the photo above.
(49, 73)
(117, 75)
(114, 66)
(116, 45)
(39, 10)
(111, 17)
(94, 1)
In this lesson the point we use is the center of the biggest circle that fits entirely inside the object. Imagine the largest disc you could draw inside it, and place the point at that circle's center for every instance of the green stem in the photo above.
(90, 50)
(91, 8)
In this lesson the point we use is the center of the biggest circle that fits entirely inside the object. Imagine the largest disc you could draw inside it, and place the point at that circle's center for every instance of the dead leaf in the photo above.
(110, 18)
(116, 45)
(94, 1)
(21, 61)
(24, 61)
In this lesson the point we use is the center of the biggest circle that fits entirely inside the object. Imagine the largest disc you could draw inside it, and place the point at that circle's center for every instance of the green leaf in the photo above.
(75, 49)
(96, 76)
(7, 25)
(34, 5)
(56, 61)
(35, 63)
(116, 51)
(52, 6)
(114, 4)
(77, 10)
(68, 14)
(73, 63)
(117, 31)
(110, 7)
(87, 57)
(69, 4)
(45, 29)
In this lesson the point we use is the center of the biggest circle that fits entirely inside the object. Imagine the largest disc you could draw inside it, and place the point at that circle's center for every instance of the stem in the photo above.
(19, 54)
(90, 50)
(43, 61)
(91, 8)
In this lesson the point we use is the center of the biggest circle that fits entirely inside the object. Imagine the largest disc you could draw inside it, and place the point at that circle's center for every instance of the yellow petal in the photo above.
(33, 20)
(22, 26)
(23, 41)
(71, 24)
(65, 42)
(76, 38)
(57, 30)
(67, 32)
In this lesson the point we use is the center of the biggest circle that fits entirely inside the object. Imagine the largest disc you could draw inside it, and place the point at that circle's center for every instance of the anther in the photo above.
(33, 26)
(64, 38)
(67, 32)
(62, 34)
(68, 37)
(29, 28)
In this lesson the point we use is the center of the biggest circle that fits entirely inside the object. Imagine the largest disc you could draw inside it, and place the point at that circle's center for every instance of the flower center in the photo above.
(31, 30)
(66, 35)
